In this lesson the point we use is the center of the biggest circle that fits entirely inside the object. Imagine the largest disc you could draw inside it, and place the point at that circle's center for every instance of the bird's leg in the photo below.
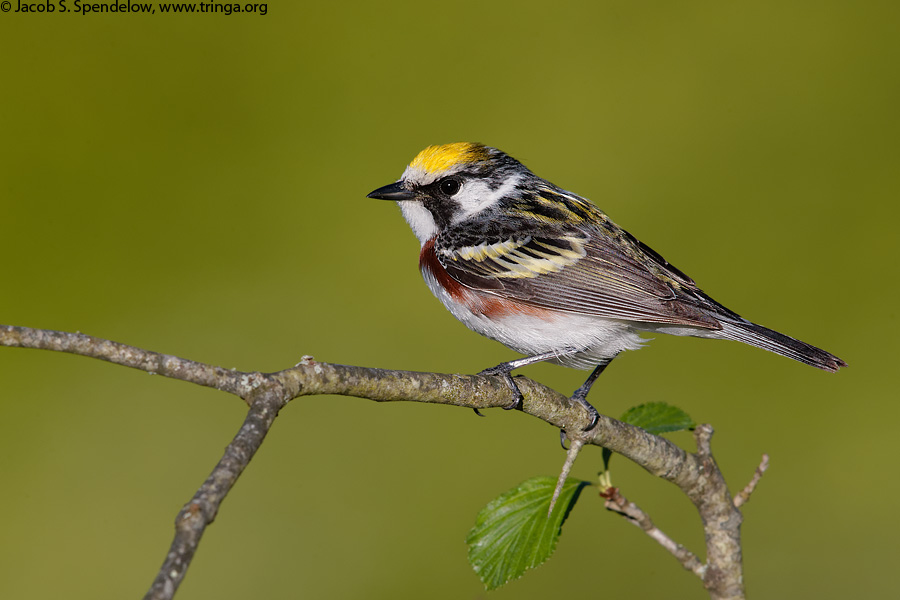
(581, 393)
(504, 370)
(580, 396)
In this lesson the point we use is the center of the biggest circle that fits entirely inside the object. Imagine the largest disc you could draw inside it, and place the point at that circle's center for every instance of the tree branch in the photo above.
(745, 494)
(721, 521)
(696, 474)
(616, 502)
(128, 356)
(193, 518)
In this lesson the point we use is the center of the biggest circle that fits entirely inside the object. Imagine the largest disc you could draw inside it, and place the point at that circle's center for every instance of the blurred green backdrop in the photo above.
(196, 185)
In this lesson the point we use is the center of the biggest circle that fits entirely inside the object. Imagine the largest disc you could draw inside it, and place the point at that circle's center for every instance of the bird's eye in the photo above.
(450, 186)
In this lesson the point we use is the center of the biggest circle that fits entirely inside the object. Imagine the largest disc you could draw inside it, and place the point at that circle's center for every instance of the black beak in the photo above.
(393, 191)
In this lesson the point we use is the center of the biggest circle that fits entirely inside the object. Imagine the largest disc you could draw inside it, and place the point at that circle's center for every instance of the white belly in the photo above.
(594, 340)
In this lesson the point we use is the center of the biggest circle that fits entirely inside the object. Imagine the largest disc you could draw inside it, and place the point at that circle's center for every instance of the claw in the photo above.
(504, 371)
(478, 412)
(578, 397)
(562, 439)
(595, 416)
(517, 394)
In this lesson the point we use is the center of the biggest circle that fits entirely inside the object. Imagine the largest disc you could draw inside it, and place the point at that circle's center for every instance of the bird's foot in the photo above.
(580, 396)
(505, 370)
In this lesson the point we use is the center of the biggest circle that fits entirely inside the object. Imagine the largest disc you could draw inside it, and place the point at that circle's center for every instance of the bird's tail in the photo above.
(761, 337)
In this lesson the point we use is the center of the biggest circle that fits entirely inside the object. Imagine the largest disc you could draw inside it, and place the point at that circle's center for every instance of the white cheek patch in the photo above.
(419, 219)
(475, 196)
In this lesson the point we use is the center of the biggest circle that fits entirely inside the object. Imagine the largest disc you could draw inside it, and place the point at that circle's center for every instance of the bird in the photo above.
(548, 274)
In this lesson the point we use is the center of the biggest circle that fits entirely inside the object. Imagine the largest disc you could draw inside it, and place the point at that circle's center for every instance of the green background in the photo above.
(196, 185)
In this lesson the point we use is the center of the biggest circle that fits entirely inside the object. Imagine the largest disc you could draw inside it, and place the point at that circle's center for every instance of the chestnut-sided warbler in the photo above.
(547, 273)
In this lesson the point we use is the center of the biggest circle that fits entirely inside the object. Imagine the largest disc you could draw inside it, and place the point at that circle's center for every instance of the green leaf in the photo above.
(658, 417)
(513, 532)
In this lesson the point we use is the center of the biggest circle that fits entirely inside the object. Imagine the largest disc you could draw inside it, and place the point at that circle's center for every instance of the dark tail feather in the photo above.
(761, 337)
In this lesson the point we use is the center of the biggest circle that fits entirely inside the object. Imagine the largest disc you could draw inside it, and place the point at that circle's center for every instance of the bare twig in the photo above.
(745, 493)
(129, 356)
(571, 454)
(193, 518)
(616, 502)
(696, 474)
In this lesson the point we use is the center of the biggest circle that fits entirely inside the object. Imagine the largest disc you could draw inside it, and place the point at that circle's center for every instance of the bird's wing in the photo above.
(596, 269)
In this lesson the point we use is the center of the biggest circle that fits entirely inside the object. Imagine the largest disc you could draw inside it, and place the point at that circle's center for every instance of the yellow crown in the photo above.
(435, 159)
